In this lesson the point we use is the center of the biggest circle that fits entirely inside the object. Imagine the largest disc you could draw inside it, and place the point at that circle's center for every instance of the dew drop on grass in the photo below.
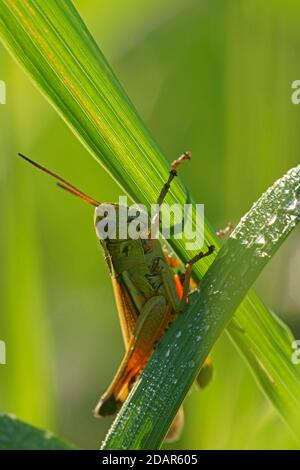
(292, 206)
(260, 240)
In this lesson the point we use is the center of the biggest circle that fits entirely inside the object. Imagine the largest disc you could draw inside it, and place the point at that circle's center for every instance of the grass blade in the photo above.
(17, 435)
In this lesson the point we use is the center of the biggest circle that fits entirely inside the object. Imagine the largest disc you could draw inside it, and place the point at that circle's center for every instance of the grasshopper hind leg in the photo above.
(188, 272)
(110, 404)
(107, 406)
(152, 321)
(176, 427)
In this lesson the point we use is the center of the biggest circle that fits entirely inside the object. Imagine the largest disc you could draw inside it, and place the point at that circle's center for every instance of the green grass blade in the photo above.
(17, 435)
(147, 414)
(53, 45)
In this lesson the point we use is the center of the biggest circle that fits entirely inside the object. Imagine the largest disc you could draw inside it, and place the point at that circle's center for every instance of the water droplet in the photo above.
(178, 334)
(168, 353)
(297, 192)
(292, 205)
(191, 364)
(272, 220)
(260, 240)
(262, 254)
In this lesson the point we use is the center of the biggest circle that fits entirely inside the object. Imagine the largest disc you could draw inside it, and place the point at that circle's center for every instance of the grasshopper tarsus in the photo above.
(185, 156)
(223, 233)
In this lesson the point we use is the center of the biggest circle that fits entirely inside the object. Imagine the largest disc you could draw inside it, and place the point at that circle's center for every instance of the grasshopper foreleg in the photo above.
(174, 165)
(188, 272)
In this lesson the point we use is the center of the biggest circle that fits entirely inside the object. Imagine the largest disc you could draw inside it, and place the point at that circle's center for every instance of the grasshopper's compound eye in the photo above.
(106, 221)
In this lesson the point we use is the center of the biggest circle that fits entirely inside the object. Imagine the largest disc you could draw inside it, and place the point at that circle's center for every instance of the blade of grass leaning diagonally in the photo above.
(53, 45)
(149, 410)
(17, 435)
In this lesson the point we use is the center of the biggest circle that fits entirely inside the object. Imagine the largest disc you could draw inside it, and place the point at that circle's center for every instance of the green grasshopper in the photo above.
(148, 294)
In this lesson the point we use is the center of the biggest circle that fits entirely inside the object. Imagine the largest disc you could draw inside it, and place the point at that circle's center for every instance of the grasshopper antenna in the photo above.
(62, 183)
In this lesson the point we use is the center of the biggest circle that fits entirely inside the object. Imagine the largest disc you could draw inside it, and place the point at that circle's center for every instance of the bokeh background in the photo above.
(212, 76)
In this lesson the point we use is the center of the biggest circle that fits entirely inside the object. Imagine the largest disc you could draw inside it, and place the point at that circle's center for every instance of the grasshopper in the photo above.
(148, 294)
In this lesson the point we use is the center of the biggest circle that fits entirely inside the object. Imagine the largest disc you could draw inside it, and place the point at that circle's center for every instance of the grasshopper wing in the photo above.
(127, 311)
(151, 324)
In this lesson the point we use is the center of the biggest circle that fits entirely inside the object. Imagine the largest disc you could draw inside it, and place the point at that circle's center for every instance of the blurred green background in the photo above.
(212, 76)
